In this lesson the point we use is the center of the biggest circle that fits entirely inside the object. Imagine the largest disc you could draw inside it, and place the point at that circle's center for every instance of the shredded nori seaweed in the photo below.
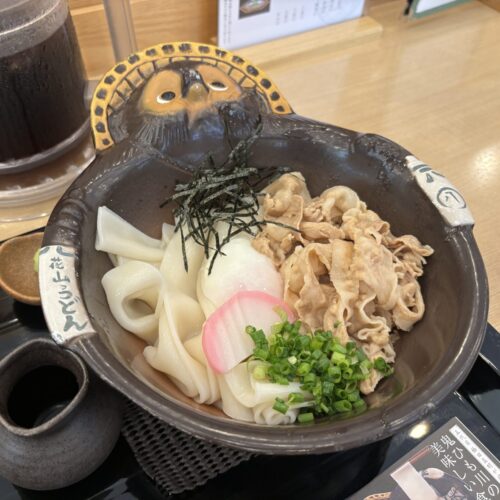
(223, 193)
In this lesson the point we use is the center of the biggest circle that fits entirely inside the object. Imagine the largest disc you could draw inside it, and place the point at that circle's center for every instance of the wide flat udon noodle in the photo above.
(181, 319)
(158, 303)
(172, 264)
(133, 291)
(245, 398)
(345, 267)
(178, 351)
(173, 320)
(116, 236)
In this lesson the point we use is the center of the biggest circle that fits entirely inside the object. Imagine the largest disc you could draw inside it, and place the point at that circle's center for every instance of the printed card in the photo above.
(245, 22)
(450, 464)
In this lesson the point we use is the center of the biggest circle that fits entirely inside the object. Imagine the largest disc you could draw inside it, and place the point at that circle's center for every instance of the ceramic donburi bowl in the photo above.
(145, 146)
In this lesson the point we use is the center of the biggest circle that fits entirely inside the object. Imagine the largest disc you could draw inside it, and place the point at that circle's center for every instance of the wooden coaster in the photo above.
(17, 272)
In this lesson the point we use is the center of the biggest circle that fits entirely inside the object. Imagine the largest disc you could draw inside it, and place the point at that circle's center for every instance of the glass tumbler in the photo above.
(42, 83)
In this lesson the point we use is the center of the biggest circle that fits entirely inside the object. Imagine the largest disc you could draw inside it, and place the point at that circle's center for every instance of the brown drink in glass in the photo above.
(42, 83)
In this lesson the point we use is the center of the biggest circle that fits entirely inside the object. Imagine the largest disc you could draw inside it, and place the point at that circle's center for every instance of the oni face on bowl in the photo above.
(132, 178)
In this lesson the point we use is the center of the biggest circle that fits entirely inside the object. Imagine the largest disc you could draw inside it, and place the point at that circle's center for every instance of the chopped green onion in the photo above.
(381, 365)
(338, 357)
(339, 348)
(282, 314)
(259, 372)
(328, 387)
(285, 369)
(365, 366)
(328, 371)
(279, 379)
(316, 343)
(257, 336)
(305, 418)
(334, 370)
(328, 347)
(342, 406)
(277, 328)
(359, 404)
(303, 369)
(305, 342)
(261, 354)
(353, 397)
(351, 386)
(361, 355)
(323, 364)
(353, 360)
(351, 346)
(280, 405)
(317, 389)
(343, 364)
(295, 397)
(317, 354)
(324, 408)
(340, 393)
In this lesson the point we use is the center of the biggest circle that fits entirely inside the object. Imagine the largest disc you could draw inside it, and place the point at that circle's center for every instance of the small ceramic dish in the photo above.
(18, 276)
(155, 117)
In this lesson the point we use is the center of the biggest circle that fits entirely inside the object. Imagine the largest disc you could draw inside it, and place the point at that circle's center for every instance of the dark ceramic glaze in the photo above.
(54, 430)
(135, 171)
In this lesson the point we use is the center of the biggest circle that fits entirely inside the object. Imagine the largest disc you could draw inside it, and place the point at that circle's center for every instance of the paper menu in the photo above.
(245, 22)
(452, 464)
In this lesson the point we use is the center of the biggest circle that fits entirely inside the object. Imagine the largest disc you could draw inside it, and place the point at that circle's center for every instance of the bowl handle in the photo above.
(63, 307)
(441, 192)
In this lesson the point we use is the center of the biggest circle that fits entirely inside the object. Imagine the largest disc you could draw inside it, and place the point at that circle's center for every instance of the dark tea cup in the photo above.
(58, 421)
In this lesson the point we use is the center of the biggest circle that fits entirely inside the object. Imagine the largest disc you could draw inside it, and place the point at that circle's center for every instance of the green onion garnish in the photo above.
(381, 365)
(328, 372)
(342, 406)
(259, 372)
(280, 405)
(359, 404)
(305, 418)
(338, 357)
(339, 348)
(295, 397)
